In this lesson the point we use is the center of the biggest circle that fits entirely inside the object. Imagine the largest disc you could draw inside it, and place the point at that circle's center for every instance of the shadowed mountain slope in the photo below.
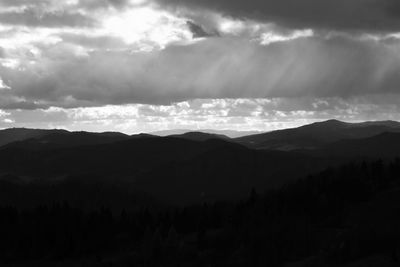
(318, 134)
(168, 168)
(200, 136)
(182, 170)
(40, 139)
(384, 145)
(228, 133)
(19, 134)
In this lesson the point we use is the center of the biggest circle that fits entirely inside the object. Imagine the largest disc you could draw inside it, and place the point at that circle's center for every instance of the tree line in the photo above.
(305, 219)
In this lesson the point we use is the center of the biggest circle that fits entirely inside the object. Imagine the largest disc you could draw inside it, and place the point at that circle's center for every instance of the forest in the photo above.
(340, 215)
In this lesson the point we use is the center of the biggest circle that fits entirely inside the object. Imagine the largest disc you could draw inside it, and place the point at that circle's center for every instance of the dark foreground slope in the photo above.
(77, 199)
(384, 145)
(345, 216)
(172, 170)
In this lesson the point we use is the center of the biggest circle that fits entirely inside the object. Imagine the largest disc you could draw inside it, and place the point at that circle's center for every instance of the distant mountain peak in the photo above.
(338, 123)
(329, 123)
(335, 121)
(201, 136)
(228, 133)
(318, 134)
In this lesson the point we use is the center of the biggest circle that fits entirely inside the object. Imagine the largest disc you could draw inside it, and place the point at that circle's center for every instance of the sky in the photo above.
(149, 65)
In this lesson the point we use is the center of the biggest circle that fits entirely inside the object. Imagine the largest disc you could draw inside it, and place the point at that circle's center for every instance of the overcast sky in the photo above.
(148, 65)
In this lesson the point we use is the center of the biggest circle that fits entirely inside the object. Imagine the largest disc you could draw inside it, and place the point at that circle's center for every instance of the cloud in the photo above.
(236, 114)
(3, 85)
(84, 4)
(95, 42)
(198, 31)
(33, 17)
(66, 76)
(341, 15)
(2, 52)
(18, 3)
(135, 53)
(95, 4)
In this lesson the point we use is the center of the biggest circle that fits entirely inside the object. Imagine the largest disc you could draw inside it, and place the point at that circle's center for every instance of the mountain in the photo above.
(227, 173)
(197, 194)
(200, 136)
(384, 145)
(194, 167)
(172, 170)
(229, 133)
(317, 135)
(84, 194)
(18, 134)
(57, 138)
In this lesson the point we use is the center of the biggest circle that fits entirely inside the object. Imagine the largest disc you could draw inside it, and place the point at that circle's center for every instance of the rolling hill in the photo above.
(170, 169)
(19, 134)
(200, 136)
(193, 167)
(57, 138)
(317, 135)
(229, 133)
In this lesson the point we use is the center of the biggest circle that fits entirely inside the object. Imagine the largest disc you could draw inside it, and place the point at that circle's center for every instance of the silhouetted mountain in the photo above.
(194, 167)
(229, 133)
(83, 192)
(40, 139)
(110, 199)
(165, 133)
(19, 134)
(227, 173)
(384, 145)
(200, 136)
(318, 134)
(388, 123)
(142, 135)
(174, 169)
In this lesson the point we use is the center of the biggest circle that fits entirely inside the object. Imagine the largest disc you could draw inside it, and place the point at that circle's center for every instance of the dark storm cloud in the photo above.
(212, 68)
(23, 105)
(198, 31)
(363, 15)
(30, 17)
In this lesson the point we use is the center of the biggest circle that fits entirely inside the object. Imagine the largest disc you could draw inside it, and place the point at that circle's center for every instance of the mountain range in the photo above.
(186, 168)
(229, 133)
(318, 134)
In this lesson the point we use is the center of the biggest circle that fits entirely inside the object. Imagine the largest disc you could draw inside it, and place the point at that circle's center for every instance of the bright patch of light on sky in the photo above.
(145, 24)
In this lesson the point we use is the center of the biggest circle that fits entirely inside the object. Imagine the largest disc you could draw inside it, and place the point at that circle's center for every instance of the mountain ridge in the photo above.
(318, 134)
(206, 166)
(260, 140)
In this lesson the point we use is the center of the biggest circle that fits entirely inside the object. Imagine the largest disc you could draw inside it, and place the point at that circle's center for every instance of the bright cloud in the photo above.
(220, 114)
(143, 65)
(145, 25)
(268, 38)
(4, 86)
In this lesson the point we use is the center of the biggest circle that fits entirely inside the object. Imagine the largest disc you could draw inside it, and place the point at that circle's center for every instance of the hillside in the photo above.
(209, 167)
(318, 134)
(57, 138)
(200, 136)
